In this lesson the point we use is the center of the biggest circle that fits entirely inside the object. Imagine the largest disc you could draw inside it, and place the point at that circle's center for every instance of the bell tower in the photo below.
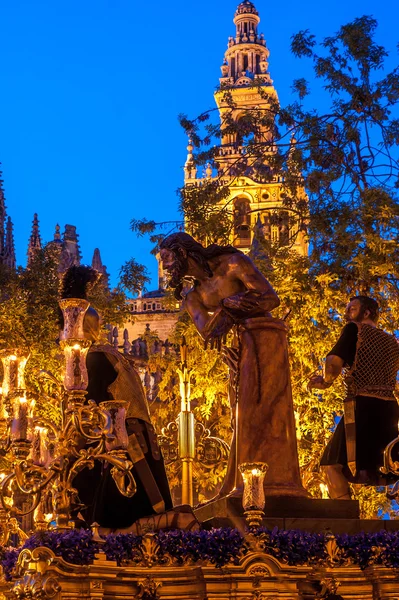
(257, 194)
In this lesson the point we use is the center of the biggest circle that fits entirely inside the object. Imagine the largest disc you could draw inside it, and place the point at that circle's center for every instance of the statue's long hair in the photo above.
(77, 281)
(196, 250)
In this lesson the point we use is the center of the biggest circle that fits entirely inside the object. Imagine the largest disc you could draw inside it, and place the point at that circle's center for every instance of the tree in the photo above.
(346, 159)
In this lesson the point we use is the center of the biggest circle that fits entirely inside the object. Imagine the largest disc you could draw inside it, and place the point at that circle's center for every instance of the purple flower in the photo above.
(8, 560)
(217, 546)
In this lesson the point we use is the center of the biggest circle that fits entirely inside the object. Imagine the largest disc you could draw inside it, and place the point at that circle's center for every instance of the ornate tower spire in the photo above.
(9, 248)
(57, 234)
(2, 216)
(246, 55)
(190, 170)
(70, 254)
(35, 242)
(97, 264)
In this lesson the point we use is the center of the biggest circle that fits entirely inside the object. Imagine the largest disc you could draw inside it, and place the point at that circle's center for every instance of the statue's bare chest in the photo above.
(212, 291)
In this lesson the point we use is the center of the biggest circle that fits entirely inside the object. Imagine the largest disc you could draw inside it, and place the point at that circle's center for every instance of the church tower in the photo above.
(255, 199)
(9, 258)
(2, 217)
(98, 265)
(35, 242)
(7, 246)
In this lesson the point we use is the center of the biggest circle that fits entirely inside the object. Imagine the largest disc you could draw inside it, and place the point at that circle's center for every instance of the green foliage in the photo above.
(133, 276)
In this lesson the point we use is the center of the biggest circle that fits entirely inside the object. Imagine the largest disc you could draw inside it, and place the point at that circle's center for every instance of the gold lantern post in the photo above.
(186, 425)
(187, 440)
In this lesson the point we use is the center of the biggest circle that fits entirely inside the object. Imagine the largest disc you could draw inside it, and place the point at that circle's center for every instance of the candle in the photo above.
(117, 410)
(74, 310)
(253, 475)
(76, 377)
(21, 423)
(14, 369)
(40, 450)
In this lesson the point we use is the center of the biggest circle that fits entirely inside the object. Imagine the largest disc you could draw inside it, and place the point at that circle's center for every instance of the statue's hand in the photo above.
(217, 329)
(244, 301)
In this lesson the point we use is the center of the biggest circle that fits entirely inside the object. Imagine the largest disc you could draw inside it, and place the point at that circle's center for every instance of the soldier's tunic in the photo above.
(371, 412)
(113, 377)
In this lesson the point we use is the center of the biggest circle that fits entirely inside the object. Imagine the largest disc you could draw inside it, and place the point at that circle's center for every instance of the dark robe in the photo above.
(113, 377)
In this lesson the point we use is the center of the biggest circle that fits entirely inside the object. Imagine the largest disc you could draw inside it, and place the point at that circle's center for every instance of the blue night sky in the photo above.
(91, 90)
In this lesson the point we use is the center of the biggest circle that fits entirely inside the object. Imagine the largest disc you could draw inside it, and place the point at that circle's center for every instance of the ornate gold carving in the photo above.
(255, 543)
(329, 586)
(148, 589)
(34, 582)
(96, 585)
(150, 550)
(258, 573)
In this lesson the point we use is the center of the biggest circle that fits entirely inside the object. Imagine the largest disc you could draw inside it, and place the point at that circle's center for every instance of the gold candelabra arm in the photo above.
(31, 479)
(390, 465)
(121, 472)
(9, 506)
(92, 422)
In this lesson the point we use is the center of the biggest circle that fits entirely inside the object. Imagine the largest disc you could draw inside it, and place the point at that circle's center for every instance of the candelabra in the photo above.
(46, 457)
(253, 500)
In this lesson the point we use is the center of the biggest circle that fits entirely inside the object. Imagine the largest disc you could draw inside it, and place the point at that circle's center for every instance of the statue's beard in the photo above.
(177, 272)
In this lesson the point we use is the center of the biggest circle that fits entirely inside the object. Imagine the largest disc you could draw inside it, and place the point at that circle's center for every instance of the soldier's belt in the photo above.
(144, 473)
(350, 432)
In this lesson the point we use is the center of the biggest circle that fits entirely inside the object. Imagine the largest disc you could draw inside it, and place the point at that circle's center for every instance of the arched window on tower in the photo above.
(242, 223)
(276, 227)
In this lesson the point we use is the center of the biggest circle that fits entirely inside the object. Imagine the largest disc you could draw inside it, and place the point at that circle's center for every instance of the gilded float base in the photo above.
(256, 576)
